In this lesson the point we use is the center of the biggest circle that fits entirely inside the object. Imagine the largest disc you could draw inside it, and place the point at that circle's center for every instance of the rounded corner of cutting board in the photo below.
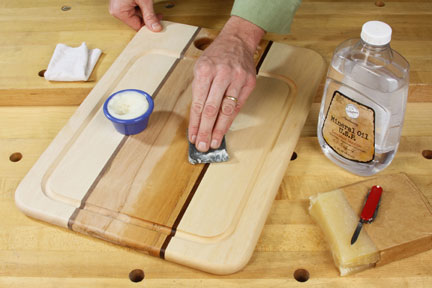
(23, 196)
(221, 258)
(31, 200)
(226, 268)
(20, 201)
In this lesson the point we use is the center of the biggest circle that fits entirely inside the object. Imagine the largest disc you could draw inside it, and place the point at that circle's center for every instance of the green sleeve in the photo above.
(271, 15)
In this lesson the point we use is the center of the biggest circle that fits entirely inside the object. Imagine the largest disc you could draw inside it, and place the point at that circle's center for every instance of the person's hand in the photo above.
(224, 77)
(136, 13)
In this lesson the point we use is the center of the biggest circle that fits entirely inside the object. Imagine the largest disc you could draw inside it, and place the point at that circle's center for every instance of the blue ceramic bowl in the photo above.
(130, 126)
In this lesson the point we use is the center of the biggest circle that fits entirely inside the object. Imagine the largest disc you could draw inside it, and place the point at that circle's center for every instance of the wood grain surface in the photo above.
(33, 253)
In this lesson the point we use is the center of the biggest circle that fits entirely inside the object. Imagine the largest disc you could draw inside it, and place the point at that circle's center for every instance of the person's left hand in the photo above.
(224, 77)
(136, 13)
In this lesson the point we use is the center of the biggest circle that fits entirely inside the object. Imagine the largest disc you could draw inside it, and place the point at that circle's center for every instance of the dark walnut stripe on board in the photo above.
(182, 211)
(263, 55)
(144, 210)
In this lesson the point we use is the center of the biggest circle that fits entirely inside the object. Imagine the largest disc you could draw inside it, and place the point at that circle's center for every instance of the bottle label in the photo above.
(349, 128)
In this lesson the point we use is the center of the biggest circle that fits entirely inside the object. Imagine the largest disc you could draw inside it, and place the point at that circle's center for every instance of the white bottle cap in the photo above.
(376, 33)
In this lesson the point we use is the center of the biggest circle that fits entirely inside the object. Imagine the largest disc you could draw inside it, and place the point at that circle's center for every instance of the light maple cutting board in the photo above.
(140, 191)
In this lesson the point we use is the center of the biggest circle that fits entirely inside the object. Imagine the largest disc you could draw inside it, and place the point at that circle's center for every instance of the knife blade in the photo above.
(369, 211)
(357, 232)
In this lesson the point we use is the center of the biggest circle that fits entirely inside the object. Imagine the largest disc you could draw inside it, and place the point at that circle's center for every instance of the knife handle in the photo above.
(371, 204)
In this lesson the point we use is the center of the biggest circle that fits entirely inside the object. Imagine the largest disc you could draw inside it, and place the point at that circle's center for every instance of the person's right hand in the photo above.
(136, 13)
(224, 77)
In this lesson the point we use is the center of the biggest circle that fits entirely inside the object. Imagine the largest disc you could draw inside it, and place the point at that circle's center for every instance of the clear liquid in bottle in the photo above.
(363, 105)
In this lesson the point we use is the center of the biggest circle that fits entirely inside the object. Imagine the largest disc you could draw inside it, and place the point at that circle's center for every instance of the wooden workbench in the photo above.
(32, 111)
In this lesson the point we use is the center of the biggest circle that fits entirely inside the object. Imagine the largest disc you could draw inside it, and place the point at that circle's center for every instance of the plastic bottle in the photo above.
(363, 105)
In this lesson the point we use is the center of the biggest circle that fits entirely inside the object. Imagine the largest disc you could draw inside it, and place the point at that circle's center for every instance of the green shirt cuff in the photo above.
(271, 15)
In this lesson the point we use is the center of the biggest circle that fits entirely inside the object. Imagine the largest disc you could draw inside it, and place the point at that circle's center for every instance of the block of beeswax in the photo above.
(402, 228)
(333, 213)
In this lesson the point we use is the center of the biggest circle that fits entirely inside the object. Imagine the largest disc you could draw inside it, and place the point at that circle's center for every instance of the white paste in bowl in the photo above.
(128, 105)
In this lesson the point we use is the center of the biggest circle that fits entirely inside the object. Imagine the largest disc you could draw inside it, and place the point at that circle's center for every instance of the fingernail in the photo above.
(193, 138)
(214, 144)
(156, 26)
(202, 146)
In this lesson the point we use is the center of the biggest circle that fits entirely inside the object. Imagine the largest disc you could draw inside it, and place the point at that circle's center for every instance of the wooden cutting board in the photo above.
(140, 191)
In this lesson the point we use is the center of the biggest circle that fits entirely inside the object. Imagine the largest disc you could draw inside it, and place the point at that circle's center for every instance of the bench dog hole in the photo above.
(379, 3)
(427, 154)
(301, 275)
(136, 275)
(202, 43)
(66, 8)
(42, 73)
(169, 4)
(15, 157)
(294, 156)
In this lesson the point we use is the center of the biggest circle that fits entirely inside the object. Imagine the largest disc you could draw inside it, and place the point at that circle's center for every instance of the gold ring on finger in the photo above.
(232, 98)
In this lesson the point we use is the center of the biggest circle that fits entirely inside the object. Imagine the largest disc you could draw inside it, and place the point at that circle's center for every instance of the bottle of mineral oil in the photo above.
(364, 101)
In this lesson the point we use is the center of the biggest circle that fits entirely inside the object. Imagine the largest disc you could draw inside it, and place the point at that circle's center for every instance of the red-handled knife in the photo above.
(370, 210)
